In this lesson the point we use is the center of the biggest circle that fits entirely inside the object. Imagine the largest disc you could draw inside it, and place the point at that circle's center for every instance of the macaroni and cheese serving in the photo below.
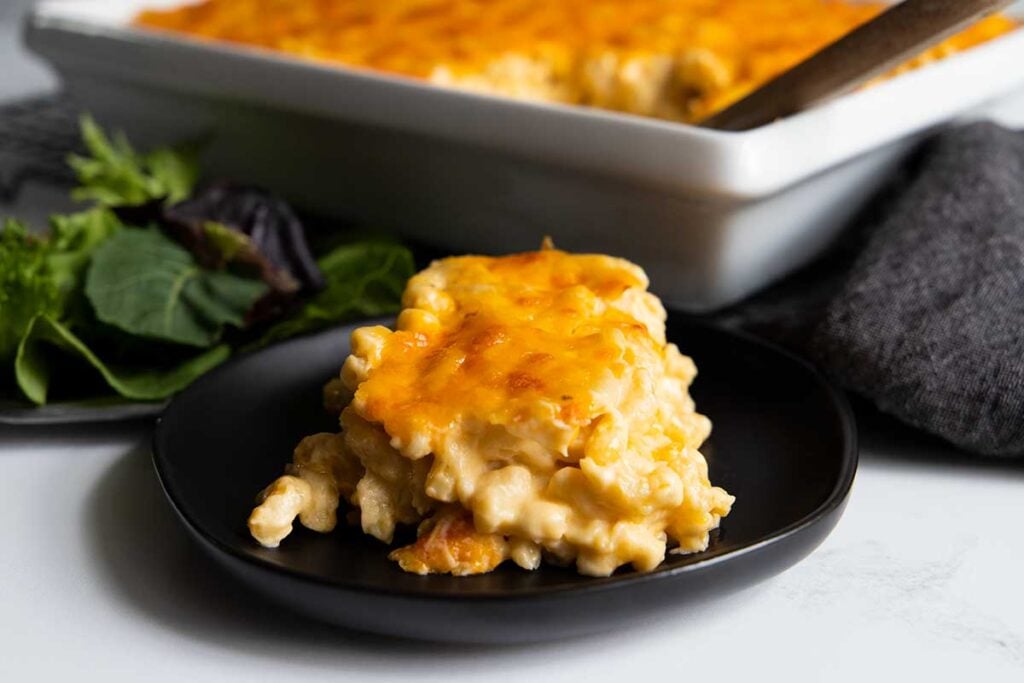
(673, 59)
(525, 407)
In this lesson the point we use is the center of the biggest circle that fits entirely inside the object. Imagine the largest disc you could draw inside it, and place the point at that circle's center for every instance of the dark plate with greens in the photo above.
(159, 279)
(78, 412)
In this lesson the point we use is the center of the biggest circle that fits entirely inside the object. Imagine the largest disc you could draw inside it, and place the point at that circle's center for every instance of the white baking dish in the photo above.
(712, 216)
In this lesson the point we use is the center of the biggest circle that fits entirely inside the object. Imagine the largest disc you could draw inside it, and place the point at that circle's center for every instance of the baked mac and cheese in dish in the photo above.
(672, 59)
(525, 407)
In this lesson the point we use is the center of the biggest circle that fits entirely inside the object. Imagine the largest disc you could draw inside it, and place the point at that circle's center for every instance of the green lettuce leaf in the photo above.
(26, 287)
(145, 284)
(114, 175)
(363, 279)
(73, 239)
(45, 335)
(44, 275)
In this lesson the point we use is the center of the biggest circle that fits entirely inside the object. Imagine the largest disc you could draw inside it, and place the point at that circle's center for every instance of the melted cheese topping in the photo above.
(673, 59)
(526, 404)
(502, 342)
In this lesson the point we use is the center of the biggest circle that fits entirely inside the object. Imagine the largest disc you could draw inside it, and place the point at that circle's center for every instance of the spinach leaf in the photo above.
(44, 335)
(115, 175)
(145, 284)
(362, 279)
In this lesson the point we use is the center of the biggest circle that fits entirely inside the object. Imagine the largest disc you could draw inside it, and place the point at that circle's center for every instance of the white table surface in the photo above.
(923, 579)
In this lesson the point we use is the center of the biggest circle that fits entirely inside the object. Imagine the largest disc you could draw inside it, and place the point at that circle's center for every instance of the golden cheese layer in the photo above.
(525, 405)
(673, 59)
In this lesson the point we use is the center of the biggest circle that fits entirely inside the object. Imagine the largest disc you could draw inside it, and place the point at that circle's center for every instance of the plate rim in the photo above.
(63, 413)
(836, 498)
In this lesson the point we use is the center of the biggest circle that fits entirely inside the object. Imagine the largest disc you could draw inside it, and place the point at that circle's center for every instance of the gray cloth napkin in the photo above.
(921, 308)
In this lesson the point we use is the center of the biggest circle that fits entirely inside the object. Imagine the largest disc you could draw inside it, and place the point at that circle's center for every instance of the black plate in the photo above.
(783, 444)
(77, 412)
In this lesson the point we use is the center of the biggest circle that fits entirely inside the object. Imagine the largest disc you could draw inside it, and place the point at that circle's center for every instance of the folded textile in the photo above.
(921, 309)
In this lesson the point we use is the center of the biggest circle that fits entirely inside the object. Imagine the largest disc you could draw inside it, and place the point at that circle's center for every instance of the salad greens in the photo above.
(43, 275)
(155, 282)
(363, 279)
(115, 175)
(32, 365)
(26, 284)
(269, 239)
(144, 283)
